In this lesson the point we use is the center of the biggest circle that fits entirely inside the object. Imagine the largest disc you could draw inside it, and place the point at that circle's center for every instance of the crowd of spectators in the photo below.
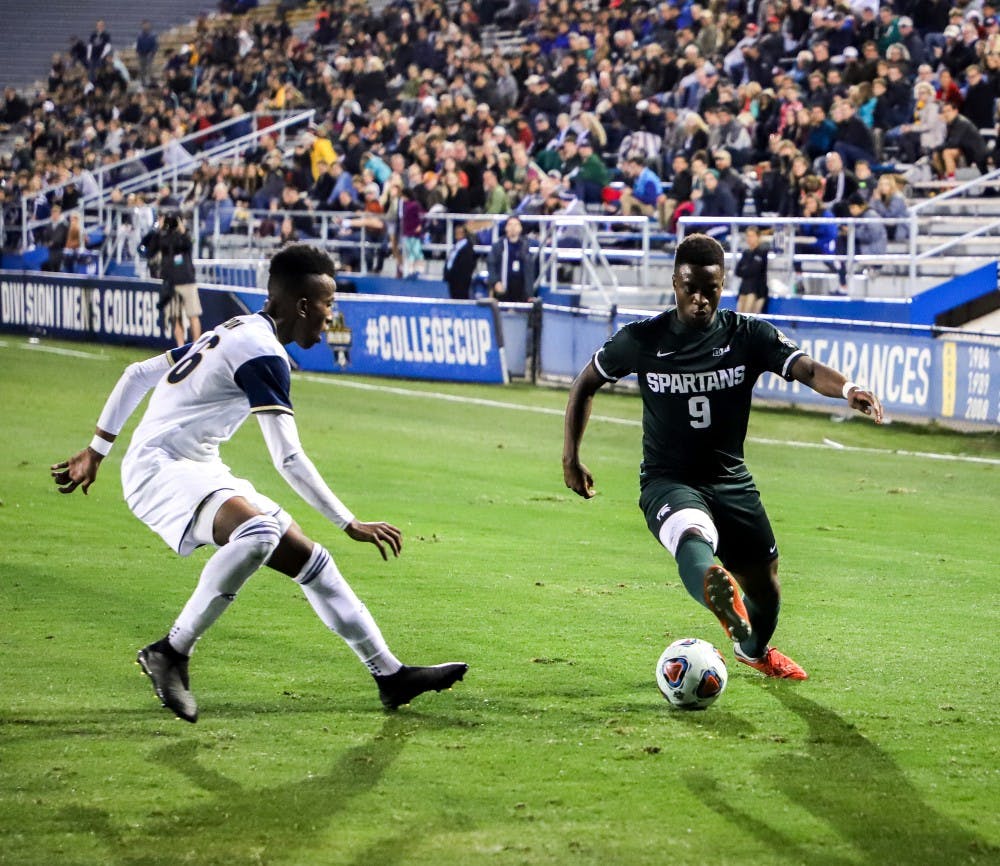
(658, 109)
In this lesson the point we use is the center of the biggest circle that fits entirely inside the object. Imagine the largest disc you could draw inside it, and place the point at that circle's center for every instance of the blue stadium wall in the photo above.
(917, 375)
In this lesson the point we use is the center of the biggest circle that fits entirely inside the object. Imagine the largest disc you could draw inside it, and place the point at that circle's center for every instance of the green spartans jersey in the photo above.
(696, 388)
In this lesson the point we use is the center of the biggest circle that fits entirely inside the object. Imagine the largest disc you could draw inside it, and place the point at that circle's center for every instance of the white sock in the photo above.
(249, 547)
(343, 613)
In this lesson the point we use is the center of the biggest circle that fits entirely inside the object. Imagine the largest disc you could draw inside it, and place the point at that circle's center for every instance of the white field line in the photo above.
(826, 445)
(56, 350)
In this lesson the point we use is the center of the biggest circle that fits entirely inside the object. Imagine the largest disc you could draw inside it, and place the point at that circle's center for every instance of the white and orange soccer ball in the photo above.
(691, 674)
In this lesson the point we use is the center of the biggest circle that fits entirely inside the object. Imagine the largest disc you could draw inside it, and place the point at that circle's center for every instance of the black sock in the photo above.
(694, 556)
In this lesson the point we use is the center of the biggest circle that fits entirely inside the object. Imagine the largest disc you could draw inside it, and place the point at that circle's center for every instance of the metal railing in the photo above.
(788, 231)
(104, 179)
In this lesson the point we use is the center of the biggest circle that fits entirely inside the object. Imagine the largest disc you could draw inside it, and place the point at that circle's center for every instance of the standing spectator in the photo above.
(55, 239)
(592, 176)
(217, 212)
(180, 291)
(98, 47)
(511, 265)
(752, 271)
(146, 46)
(460, 265)
(497, 201)
(678, 197)
(411, 230)
(979, 99)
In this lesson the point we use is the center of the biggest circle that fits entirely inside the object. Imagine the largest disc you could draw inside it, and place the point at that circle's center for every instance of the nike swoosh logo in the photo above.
(773, 549)
(665, 354)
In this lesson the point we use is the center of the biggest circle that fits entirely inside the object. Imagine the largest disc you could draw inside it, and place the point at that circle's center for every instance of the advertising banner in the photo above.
(970, 381)
(456, 341)
(900, 369)
(105, 310)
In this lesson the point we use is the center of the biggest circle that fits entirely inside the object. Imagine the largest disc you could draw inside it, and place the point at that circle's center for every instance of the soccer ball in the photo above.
(691, 674)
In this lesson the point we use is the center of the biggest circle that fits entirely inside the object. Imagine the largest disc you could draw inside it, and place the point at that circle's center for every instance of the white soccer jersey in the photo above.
(214, 384)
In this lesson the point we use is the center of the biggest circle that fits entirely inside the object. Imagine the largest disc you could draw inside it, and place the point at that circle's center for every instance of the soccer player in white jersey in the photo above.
(175, 482)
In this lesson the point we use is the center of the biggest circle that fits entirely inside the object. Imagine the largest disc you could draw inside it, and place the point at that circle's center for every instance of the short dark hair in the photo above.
(700, 250)
(291, 268)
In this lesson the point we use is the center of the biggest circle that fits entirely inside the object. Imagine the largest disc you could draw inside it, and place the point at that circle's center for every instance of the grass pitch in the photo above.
(557, 748)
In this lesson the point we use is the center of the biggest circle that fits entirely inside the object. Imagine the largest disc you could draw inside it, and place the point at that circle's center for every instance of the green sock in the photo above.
(694, 556)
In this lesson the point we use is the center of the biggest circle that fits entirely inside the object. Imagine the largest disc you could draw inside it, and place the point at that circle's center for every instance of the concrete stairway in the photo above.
(33, 32)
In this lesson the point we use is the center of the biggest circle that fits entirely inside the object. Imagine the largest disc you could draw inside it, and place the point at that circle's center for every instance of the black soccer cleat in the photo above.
(168, 669)
(408, 682)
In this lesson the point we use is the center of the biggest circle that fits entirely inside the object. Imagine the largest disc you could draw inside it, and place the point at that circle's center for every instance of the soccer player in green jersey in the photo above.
(697, 366)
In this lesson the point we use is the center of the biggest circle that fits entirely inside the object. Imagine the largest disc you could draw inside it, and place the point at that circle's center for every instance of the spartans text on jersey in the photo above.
(696, 383)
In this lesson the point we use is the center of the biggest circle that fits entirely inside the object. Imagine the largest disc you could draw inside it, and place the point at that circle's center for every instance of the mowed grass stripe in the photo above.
(557, 748)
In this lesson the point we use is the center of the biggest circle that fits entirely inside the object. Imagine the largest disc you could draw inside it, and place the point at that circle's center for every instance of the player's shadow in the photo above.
(853, 788)
(243, 824)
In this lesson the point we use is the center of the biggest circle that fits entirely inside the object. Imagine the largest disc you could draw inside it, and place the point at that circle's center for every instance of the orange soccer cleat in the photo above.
(722, 595)
(773, 664)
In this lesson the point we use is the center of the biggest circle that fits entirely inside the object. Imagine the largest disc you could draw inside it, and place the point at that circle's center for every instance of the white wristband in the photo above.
(101, 446)
(848, 387)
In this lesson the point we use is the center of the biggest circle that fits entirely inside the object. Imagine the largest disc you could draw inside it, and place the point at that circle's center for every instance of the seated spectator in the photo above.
(813, 238)
(926, 131)
(643, 195)
(948, 89)
(839, 184)
(457, 199)
(888, 202)
(731, 135)
(963, 144)
(854, 140)
(715, 200)
(865, 177)
(322, 188)
(870, 237)
(822, 132)
(296, 202)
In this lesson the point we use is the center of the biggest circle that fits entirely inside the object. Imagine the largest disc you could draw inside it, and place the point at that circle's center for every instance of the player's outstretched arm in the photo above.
(80, 470)
(832, 383)
(581, 397)
(294, 465)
